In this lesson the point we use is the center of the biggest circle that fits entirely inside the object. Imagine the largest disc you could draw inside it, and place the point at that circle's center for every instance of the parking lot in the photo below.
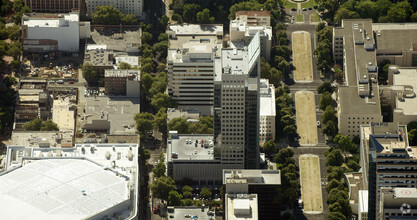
(306, 118)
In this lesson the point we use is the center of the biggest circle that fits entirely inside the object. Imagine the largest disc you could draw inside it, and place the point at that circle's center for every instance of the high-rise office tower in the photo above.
(238, 89)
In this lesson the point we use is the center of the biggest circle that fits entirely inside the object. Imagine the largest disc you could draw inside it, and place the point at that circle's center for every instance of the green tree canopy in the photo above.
(90, 74)
(206, 193)
(162, 100)
(160, 122)
(190, 12)
(326, 100)
(107, 15)
(325, 87)
(329, 115)
(270, 147)
(283, 156)
(144, 123)
(159, 169)
(179, 124)
(334, 158)
(125, 66)
(146, 38)
(162, 186)
(39, 125)
(187, 192)
(203, 17)
(330, 128)
(174, 198)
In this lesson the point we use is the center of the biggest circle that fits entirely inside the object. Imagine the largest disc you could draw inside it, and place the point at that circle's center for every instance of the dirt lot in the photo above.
(311, 183)
(306, 117)
(301, 48)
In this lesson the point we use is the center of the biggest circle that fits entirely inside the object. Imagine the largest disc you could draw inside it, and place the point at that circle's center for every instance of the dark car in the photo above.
(293, 9)
(304, 9)
(315, 7)
(310, 8)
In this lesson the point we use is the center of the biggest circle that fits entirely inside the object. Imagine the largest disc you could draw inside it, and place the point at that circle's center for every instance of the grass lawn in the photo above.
(310, 183)
(289, 4)
(315, 17)
(310, 3)
(306, 117)
(299, 18)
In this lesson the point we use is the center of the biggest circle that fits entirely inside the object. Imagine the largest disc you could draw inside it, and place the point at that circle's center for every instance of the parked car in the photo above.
(304, 9)
(60, 81)
(310, 8)
(293, 9)
(71, 82)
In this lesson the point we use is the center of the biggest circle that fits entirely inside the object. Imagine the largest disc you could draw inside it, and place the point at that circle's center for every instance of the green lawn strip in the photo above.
(310, 3)
(299, 18)
(289, 4)
(314, 17)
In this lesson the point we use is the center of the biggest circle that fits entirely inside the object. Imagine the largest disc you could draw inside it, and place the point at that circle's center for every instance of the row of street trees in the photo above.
(329, 119)
(109, 15)
(203, 126)
(323, 52)
(285, 118)
(40, 125)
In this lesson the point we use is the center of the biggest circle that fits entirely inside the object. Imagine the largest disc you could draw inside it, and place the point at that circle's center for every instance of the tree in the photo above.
(334, 184)
(412, 137)
(338, 73)
(161, 68)
(336, 216)
(329, 115)
(325, 87)
(159, 169)
(162, 100)
(125, 66)
(346, 144)
(326, 100)
(163, 37)
(283, 156)
(275, 76)
(203, 17)
(15, 50)
(244, 6)
(187, 192)
(383, 71)
(287, 120)
(163, 23)
(146, 84)
(13, 32)
(130, 19)
(206, 193)
(325, 33)
(146, 38)
(174, 198)
(144, 123)
(107, 15)
(34, 125)
(330, 129)
(368, 9)
(320, 26)
(9, 81)
(49, 126)
(344, 13)
(383, 7)
(334, 158)
(162, 186)
(400, 12)
(187, 202)
(177, 17)
(353, 165)
(412, 125)
(197, 203)
(144, 153)
(161, 48)
(179, 124)
(90, 74)
(17, 5)
(147, 68)
(270, 147)
(335, 195)
(161, 121)
(190, 12)
(290, 131)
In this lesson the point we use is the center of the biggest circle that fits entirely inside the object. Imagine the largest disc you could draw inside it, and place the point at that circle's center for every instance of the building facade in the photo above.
(53, 32)
(267, 113)
(125, 6)
(56, 6)
(122, 82)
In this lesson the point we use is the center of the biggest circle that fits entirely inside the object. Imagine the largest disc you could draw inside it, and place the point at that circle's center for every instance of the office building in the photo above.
(55, 6)
(359, 102)
(193, 156)
(398, 203)
(238, 79)
(53, 32)
(253, 182)
(267, 112)
(399, 95)
(246, 25)
(191, 65)
(387, 161)
(134, 7)
(84, 182)
(122, 82)
(241, 206)
(363, 205)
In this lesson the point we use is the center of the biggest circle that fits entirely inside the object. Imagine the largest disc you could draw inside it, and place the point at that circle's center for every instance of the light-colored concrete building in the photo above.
(267, 111)
(63, 113)
(191, 55)
(363, 205)
(122, 82)
(399, 95)
(53, 32)
(358, 100)
(398, 202)
(86, 181)
(246, 25)
(36, 139)
(134, 7)
(241, 206)
(190, 114)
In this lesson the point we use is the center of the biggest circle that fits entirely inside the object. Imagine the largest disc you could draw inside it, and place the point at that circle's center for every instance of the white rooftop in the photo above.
(59, 189)
(50, 21)
(196, 29)
(363, 201)
(241, 206)
(62, 115)
(407, 76)
(267, 99)
(131, 60)
(252, 176)
(405, 193)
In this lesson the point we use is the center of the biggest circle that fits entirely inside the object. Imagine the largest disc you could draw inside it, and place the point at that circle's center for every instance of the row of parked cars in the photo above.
(305, 9)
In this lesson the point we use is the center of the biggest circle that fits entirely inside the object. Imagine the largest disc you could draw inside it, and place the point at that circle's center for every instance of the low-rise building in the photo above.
(63, 113)
(99, 56)
(110, 115)
(87, 181)
(246, 25)
(253, 182)
(267, 111)
(193, 156)
(241, 206)
(53, 32)
(191, 115)
(363, 205)
(122, 82)
(398, 203)
(42, 139)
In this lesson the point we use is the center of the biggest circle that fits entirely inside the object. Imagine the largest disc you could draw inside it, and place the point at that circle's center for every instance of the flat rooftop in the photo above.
(180, 212)
(62, 114)
(49, 20)
(267, 98)
(179, 35)
(351, 103)
(193, 114)
(99, 57)
(241, 206)
(355, 186)
(187, 147)
(135, 74)
(43, 138)
(402, 39)
(407, 76)
(125, 39)
(60, 189)
(119, 112)
(272, 177)
(363, 201)
(196, 29)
